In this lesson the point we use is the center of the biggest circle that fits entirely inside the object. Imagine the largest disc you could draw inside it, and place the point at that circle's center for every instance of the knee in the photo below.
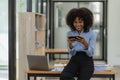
(66, 76)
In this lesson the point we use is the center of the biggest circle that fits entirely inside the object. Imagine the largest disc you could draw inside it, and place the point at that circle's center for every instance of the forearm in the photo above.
(86, 45)
(70, 45)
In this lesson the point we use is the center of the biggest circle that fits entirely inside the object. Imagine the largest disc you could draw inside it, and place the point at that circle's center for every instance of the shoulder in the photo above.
(92, 33)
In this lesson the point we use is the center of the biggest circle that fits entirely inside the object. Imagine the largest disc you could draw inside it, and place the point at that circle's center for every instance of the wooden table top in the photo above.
(59, 72)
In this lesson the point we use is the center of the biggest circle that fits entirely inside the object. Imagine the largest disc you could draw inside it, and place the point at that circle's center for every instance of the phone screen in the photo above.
(74, 37)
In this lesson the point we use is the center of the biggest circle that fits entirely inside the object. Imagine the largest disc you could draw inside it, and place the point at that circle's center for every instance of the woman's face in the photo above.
(78, 24)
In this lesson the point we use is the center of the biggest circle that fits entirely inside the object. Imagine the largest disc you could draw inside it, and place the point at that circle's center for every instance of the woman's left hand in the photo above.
(83, 41)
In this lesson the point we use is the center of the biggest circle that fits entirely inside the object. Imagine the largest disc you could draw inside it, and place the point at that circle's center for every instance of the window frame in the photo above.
(51, 24)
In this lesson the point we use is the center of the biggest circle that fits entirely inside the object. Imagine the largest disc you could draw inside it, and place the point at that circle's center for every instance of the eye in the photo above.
(80, 21)
(75, 21)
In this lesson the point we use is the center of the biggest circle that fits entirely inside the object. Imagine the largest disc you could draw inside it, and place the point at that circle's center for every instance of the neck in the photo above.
(79, 31)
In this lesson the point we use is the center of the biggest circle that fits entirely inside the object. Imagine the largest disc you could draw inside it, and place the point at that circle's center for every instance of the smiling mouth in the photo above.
(79, 28)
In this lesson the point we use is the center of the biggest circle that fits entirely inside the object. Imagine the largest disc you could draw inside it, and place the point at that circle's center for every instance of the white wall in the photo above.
(114, 32)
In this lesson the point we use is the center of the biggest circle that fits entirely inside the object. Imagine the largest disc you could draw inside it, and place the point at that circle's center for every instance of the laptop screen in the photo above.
(37, 62)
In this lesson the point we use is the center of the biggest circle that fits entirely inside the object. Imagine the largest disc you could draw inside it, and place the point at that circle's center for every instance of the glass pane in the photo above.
(97, 9)
(34, 5)
(60, 27)
(3, 40)
(44, 7)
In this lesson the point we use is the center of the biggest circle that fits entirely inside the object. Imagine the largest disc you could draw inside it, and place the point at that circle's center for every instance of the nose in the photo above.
(78, 24)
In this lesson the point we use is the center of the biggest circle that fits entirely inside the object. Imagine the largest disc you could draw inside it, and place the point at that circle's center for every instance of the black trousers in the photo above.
(79, 65)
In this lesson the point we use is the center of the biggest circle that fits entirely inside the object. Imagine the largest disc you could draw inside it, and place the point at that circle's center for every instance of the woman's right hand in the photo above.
(70, 41)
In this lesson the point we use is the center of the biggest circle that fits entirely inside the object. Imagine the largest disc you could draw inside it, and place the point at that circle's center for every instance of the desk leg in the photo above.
(28, 77)
(113, 77)
(34, 77)
(110, 78)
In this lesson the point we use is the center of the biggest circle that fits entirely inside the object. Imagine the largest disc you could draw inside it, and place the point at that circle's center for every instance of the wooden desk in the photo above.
(35, 73)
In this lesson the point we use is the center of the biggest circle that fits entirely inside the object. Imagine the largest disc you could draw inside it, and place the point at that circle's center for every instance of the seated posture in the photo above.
(81, 44)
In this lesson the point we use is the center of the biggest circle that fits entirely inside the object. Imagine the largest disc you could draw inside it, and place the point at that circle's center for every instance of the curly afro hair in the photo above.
(82, 13)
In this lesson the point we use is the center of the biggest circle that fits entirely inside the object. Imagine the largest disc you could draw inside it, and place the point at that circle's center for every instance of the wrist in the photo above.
(70, 46)
(86, 45)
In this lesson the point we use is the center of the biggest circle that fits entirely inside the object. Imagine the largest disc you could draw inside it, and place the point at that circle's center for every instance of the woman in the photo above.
(81, 43)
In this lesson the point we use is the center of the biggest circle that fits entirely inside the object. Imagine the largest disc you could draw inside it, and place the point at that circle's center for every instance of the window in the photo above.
(3, 34)
(58, 27)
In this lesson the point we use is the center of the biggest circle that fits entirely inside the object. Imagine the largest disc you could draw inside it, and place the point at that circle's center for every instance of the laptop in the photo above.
(38, 62)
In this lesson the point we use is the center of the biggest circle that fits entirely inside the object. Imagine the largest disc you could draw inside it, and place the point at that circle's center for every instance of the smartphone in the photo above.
(74, 37)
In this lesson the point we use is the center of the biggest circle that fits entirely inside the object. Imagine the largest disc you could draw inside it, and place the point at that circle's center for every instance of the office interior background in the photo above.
(106, 25)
